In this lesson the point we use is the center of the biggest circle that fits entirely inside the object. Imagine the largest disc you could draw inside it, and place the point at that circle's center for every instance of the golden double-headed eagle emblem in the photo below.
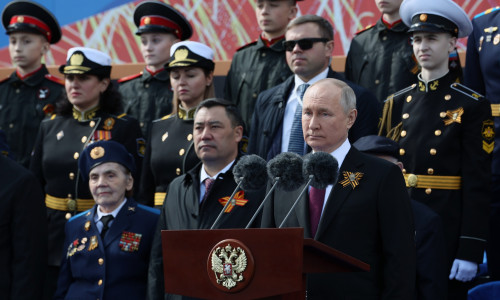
(228, 264)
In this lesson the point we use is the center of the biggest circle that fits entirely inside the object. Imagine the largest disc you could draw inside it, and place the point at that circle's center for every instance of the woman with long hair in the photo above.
(169, 152)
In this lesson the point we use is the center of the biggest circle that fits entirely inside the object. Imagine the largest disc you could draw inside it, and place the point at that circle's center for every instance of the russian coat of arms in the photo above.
(228, 264)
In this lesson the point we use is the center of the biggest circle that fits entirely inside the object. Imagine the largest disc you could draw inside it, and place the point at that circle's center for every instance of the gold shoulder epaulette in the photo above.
(365, 29)
(411, 87)
(466, 91)
(53, 116)
(121, 116)
(167, 116)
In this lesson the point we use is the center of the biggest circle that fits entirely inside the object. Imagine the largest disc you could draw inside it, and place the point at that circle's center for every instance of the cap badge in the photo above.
(423, 17)
(76, 59)
(97, 152)
(147, 20)
(20, 19)
(181, 54)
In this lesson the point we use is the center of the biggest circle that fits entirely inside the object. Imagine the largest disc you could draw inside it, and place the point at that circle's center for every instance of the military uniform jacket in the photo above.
(182, 210)
(115, 267)
(255, 68)
(146, 97)
(24, 102)
(55, 161)
(445, 129)
(169, 153)
(482, 71)
(381, 60)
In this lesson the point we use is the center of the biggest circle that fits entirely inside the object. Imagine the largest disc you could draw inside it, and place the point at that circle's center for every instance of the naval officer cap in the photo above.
(435, 16)
(191, 54)
(28, 16)
(377, 145)
(155, 16)
(81, 60)
(102, 152)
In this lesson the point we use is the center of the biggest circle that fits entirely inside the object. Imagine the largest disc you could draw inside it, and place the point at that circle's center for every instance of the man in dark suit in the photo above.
(276, 121)
(23, 238)
(366, 214)
(108, 246)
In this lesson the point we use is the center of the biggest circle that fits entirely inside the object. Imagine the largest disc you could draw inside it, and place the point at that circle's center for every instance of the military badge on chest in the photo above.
(76, 246)
(129, 242)
(488, 134)
(43, 93)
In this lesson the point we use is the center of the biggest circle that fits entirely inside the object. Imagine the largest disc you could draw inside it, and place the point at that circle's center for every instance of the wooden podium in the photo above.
(208, 263)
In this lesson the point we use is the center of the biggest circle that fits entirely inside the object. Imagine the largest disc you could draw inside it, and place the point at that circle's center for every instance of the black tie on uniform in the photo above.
(105, 221)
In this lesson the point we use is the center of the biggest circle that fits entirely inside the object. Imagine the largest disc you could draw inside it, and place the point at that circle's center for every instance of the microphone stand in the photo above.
(231, 199)
(276, 180)
(311, 177)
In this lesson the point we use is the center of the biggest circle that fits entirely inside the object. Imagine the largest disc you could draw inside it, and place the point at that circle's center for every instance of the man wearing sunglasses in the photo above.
(276, 121)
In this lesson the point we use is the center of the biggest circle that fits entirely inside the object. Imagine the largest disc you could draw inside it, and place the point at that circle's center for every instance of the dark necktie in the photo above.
(316, 200)
(209, 182)
(296, 143)
(105, 224)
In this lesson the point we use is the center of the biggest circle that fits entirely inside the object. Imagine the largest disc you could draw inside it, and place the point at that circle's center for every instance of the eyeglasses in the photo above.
(304, 44)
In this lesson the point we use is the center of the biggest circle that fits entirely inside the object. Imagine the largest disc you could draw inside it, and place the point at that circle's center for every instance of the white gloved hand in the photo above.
(463, 270)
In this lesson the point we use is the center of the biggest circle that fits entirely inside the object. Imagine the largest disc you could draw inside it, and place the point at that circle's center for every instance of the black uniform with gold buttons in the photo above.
(170, 153)
(55, 163)
(445, 132)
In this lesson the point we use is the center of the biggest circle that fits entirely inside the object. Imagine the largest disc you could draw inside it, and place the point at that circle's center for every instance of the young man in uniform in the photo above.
(251, 71)
(445, 131)
(147, 96)
(30, 92)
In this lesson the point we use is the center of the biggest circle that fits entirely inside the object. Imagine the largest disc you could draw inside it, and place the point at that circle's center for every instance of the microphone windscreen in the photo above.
(252, 168)
(323, 166)
(288, 167)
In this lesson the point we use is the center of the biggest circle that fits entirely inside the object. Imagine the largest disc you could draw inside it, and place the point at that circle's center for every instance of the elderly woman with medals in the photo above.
(90, 112)
(170, 152)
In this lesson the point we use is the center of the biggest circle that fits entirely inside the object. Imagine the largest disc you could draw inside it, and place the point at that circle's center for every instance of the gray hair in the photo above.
(347, 96)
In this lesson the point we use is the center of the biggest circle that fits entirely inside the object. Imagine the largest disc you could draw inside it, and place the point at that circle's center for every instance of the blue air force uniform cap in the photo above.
(435, 16)
(101, 152)
(28, 16)
(155, 16)
(377, 145)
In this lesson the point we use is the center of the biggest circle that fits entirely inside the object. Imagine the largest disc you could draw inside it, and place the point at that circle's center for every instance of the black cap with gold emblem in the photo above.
(191, 54)
(81, 60)
(28, 16)
(435, 16)
(155, 16)
(101, 152)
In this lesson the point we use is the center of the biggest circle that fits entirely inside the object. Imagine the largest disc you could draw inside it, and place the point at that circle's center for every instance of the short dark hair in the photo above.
(232, 111)
(325, 28)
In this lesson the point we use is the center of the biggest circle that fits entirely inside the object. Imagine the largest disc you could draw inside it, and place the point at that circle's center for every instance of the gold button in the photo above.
(447, 97)
(70, 196)
(254, 95)
(264, 54)
(84, 139)
(384, 38)
(178, 171)
(377, 81)
(92, 123)
(404, 171)
(146, 85)
(141, 124)
(428, 191)
(100, 261)
(67, 216)
(437, 132)
(17, 91)
(406, 116)
(189, 137)
(181, 152)
(11, 125)
(430, 171)
(76, 155)
(99, 282)
(403, 133)
(402, 151)
(408, 99)
(442, 114)
(433, 151)
(412, 180)
(71, 176)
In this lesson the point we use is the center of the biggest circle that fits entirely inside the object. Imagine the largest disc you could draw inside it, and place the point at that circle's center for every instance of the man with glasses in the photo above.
(276, 121)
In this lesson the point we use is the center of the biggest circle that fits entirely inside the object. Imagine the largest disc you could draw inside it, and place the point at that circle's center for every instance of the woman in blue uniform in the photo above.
(170, 150)
(89, 113)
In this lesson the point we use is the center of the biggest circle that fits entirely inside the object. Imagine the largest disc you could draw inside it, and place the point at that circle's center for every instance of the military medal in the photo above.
(351, 179)
(93, 243)
(239, 199)
(72, 248)
(129, 242)
(164, 136)
(481, 43)
(43, 93)
(86, 227)
(60, 135)
(454, 116)
(496, 40)
(108, 124)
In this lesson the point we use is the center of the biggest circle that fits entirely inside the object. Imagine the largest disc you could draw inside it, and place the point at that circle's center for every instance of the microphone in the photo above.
(320, 169)
(250, 174)
(285, 171)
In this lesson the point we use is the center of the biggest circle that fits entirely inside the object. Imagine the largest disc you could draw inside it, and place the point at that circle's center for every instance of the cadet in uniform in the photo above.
(445, 131)
(29, 94)
(107, 248)
(482, 73)
(251, 71)
(170, 150)
(147, 96)
(88, 114)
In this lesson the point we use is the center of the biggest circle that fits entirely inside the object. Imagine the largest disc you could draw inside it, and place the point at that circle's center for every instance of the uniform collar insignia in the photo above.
(184, 114)
(239, 199)
(351, 179)
(86, 115)
(453, 116)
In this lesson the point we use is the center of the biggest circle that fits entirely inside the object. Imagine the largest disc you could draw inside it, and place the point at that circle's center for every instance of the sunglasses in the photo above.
(304, 44)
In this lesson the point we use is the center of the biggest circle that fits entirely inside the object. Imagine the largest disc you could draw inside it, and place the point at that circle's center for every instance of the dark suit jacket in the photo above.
(371, 222)
(267, 120)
